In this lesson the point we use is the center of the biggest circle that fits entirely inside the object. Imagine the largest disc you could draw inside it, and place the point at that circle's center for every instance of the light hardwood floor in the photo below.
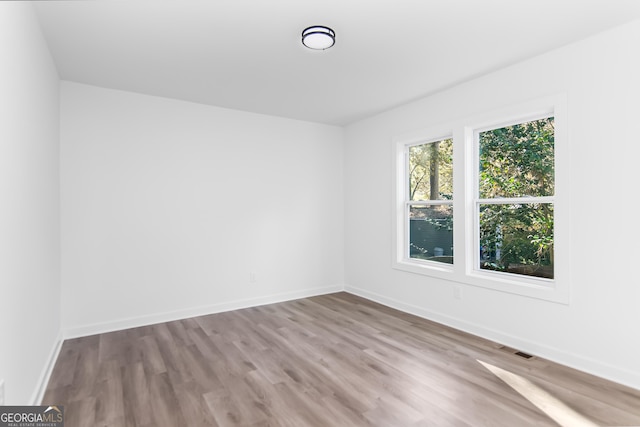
(332, 360)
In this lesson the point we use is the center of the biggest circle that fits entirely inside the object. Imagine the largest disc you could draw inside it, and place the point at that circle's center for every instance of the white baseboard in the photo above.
(593, 367)
(43, 380)
(133, 322)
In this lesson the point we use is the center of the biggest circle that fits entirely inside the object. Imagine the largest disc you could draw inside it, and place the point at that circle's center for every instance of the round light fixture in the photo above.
(318, 37)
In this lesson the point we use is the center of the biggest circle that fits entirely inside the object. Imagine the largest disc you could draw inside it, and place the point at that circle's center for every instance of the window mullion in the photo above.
(516, 200)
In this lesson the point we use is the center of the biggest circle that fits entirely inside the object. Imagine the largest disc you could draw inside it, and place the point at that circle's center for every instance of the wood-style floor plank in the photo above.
(331, 360)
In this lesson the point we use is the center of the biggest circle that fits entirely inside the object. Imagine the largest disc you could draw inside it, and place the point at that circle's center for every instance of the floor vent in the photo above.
(523, 355)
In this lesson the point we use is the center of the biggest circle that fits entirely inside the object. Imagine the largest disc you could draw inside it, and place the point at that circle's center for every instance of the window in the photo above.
(514, 202)
(429, 204)
(489, 190)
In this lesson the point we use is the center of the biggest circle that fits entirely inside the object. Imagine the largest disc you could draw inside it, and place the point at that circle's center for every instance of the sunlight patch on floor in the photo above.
(550, 405)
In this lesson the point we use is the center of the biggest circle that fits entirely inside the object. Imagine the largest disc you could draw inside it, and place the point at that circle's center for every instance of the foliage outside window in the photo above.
(515, 198)
(430, 201)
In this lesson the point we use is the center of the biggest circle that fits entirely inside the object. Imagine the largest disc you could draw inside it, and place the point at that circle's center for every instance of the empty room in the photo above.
(305, 213)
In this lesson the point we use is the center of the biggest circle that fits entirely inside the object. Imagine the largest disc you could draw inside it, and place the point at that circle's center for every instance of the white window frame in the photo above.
(402, 260)
(408, 203)
(465, 268)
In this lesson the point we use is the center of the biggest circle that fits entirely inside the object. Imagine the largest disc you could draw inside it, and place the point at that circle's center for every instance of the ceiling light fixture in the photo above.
(318, 37)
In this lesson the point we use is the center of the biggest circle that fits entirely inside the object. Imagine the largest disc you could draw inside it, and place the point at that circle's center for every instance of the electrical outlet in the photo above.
(252, 277)
(457, 292)
(1, 392)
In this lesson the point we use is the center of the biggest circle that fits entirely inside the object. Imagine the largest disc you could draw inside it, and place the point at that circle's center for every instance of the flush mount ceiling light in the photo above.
(318, 37)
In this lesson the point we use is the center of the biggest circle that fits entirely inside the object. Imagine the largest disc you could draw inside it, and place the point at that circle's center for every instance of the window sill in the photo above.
(531, 287)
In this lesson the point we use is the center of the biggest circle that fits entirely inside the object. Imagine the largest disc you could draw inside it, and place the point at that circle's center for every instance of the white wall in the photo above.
(598, 330)
(169, 206)
(29, 205)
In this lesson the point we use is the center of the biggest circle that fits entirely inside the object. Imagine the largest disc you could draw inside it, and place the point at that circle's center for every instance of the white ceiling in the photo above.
(247, 55)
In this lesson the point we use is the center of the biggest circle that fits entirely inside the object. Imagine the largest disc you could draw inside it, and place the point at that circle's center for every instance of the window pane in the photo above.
(517, 239)
(431, 171)
(518, 160)
(431, 233)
